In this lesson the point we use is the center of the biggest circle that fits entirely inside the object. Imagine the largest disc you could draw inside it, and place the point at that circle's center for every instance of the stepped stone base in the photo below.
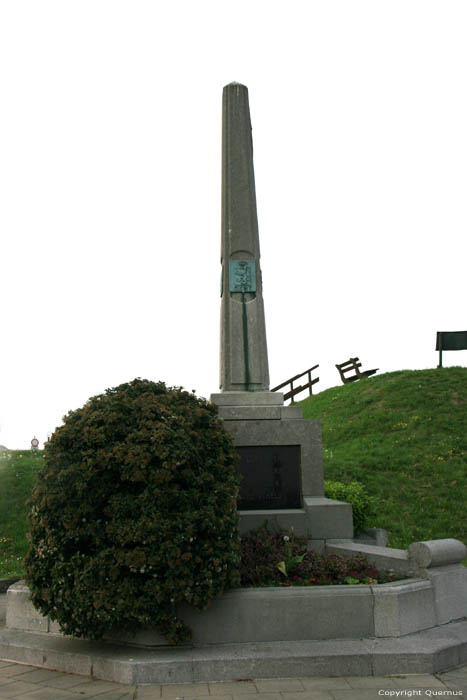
(260, 419)
(417, 625)
(438, 649)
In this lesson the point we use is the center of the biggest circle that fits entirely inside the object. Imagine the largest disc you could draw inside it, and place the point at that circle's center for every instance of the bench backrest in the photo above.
(350, 365)
(353, 364)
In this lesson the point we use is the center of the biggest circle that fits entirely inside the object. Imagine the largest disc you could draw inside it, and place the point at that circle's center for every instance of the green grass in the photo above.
(18, 471)
(404, 436)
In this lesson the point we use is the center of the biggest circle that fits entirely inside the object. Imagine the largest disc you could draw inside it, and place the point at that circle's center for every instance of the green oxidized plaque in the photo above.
(242, 276)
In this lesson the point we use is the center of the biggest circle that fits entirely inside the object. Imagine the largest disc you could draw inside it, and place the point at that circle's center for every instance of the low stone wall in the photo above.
(438, 595)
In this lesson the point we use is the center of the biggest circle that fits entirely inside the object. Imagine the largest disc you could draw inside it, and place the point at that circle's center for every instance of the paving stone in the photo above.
(232, 688)
(365, 694)
(149, 692)
(118, 694)
(17, 688)
(416, 680)
(264, 696)
(279, 685)
(95, 688)
(459, 686)
(38, 675)
(184, 690)
(46, 694)
(309, 695)
(212, 697)
(325, 683)
(15, 670)
(380, 682)
(65, 680)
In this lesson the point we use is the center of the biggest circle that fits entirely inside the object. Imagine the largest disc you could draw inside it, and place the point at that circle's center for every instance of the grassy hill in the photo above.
(18, 471)
(404, 436)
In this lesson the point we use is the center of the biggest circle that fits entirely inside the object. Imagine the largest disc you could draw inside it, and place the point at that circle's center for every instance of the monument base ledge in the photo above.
(248, 398)
(320, 519)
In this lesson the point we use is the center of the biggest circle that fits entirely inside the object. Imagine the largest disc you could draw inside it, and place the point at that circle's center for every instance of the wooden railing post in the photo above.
(296, 390)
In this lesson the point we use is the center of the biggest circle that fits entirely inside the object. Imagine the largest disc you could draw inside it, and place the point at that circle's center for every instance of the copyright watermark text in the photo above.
(420, 693)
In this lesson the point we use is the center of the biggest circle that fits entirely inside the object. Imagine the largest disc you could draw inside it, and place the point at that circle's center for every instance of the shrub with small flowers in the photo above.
(278, 559)
(133, 513)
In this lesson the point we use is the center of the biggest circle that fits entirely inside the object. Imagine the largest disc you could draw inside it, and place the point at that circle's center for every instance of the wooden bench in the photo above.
(353, 365)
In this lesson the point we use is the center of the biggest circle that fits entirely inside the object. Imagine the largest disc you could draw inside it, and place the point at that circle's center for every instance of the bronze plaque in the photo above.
(242, 276)
(270, 477)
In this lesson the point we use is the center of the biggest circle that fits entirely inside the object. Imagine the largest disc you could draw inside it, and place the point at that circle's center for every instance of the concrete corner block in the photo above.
(20, 612)
(328, 519)
(450, 592)
(437, 553)
(375, 535)
(403, 608)
(291, 412)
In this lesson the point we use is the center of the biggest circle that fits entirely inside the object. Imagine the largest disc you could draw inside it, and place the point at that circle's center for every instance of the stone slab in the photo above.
(376, 536)
(328, 518)
(450, 592)
(270, 477)
(248, 398)
(286, 519)
(291, 412)
(247, 615)
(435, 650)
(250, 412)
(403, 608)
(20, 613)
(380, 557)
(306, 433)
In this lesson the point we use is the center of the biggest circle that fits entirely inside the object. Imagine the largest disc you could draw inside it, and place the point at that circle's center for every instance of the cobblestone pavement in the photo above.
(20, 682)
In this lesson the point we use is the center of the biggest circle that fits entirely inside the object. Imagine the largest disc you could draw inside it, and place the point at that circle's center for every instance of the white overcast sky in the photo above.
(110, 176)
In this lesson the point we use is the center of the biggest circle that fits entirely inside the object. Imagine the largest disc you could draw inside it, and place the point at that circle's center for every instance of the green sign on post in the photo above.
(450, 340)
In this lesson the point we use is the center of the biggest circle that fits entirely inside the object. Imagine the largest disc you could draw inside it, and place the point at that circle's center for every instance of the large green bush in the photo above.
(134, 512)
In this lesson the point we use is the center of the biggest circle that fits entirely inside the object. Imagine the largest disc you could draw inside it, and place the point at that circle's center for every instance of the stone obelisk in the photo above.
(280, 454)
(243, 356)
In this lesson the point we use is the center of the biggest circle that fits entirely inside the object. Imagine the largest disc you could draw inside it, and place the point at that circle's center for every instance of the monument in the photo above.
(280, 453)
(416, 625)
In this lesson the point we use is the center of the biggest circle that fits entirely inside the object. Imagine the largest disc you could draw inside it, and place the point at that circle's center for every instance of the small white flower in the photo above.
(286, 538)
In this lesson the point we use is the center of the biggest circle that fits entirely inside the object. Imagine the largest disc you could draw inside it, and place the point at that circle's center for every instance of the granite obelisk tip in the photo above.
(244, 360)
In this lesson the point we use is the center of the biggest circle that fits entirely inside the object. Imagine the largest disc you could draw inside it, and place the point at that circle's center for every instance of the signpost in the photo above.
(450, 340)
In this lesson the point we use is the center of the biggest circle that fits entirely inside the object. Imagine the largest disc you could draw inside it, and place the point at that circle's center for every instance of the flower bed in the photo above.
(278, 559)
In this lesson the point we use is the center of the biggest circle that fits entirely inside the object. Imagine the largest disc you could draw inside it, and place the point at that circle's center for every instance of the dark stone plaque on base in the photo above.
(270, 477)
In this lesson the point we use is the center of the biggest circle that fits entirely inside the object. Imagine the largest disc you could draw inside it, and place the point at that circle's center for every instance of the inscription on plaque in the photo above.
(270, 477)
(242, 276)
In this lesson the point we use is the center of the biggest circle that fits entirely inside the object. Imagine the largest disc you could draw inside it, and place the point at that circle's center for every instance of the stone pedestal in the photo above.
(282, 467)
